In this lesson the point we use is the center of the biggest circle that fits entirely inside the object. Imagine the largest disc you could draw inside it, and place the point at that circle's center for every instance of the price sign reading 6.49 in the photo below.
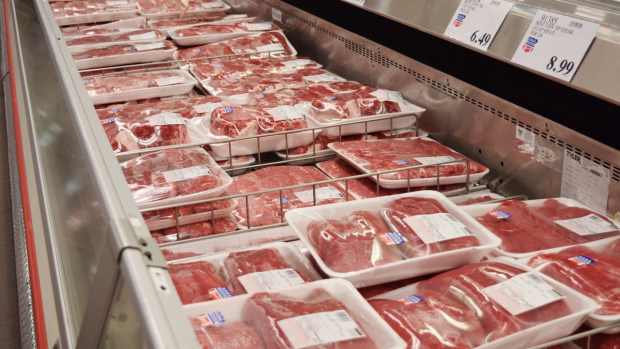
(555, 44)
(476, 22)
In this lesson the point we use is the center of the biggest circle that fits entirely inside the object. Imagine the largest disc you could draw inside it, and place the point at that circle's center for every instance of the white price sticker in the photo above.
(187, 173)
(476, 22)
(148, 47)
(276, 14)
(437, 227)
(585, 181)
(166, 118)
(320, 328)
(325, 77)
(271, 280)
(297, 63)
(323, 193)
(522, 293)
(258, 26)
(170, 80)
(434, 160)
(588, 225)
(144, 36)
(387, 95)
(285, 112)
(206, 108)
(270, 48)
(555, 44)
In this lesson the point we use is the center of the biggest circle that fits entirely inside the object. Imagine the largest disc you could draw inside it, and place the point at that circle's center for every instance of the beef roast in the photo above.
(198, 282)
(233, 335)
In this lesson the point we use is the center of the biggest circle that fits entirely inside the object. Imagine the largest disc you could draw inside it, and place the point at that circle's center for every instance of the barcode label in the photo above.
(215, 318)
(588, 225)
(271, 280)
(434, 160)
(170, 80)
(320, 329)
(323, 193)
(109, 120)
(387, 95)
(148, 47)
(259, 26)
(437, 227)
(206, 108)
(186, 173)
(143, 36)
(393, 238)
(522, 293)
(166, 118)
(270, 47)
(297, 63)
(285, 112)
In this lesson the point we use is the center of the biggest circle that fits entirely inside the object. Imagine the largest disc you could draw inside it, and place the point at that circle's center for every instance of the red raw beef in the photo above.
(128, 81)
(146, 174)
(527, 229)
(167, 23)
(594, 274)
(155, 35)
(265, 208)
(430, 321)
(117, 49)
(400, 209)
(87, 7)
(264, 310)
(466, 285)
(392, 154)
(600, 341)
(249, 44)
(238, 68)
(210, 28)
(195, 230)
(247, 262)
(171, 255)
(187, 210)
(234, 335)
(183, 6)
(241, 121)
(356, 104)
(353, 243)
(198, 282)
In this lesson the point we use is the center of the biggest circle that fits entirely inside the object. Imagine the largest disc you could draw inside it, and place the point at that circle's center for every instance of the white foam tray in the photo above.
(413, 182)
(594, 320)
(373, 126)
(267, 143)
(373, 325)
(299, 219)
(129, 24)
(123, 59)
(580, 305)
(96, 17)
(479, 210)
(148, 92)
(224, 7)
(158, 224)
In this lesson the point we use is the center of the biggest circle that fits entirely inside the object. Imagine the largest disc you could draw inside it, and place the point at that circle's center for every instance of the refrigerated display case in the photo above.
(77, 227)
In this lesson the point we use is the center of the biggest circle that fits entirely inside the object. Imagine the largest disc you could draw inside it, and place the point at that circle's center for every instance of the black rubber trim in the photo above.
(548, 98)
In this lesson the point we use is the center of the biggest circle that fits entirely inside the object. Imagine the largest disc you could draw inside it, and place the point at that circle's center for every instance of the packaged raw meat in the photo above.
(170, 24)
(234, 335)
(108, 55)
(171, 255)
(116, 36)
(273, 43)
(195, 230)
(332, 310)
(392, 154)
(154, 124)
(594, 274)
(614, 248)
(178, 8)
(241, 67)
(174, 176)
(527, 227)
(198, 282)
(476, 197)
(266, 209)
(201, 34)
(114, 27)
(92, 11)
(188, 214)
(129, 86)
(351, 240)
(496, 304)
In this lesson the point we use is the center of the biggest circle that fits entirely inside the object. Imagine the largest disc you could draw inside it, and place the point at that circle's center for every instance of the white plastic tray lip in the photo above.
(123, 25)
(207, 38)
(307, 155)
(268, 143)
(294, 217)
(125, 59)
(414, 182)
(478, 210)
(161, 15)
(170, 29)
(148, 92)
(96, 17)
(159, 224)
(375, 327)
(586, 306)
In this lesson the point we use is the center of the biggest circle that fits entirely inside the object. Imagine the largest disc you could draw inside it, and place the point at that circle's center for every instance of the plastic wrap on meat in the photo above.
(478, 200)
(466, 285)
(233, 335)
(186, 21)
(125, 35)
(269, 42)
(526, 229)
(237, 68)
(392, 154)
(89, 7)
(198, 282)
(242, 263)
(210, 28)
(266, 311)
(240, 121)
(117, 83)
(613, 248)
(195, 230)
(397, 213)
(121, 49)
(265, 208)
(427, 321)
(171, 255)
(171, 173)
(596, 275)
(163, 7)
(187, 210)
(353, 243)
(376, 290)
(85, 31)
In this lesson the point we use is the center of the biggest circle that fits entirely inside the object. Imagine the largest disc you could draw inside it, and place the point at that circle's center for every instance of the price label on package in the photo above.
(555, 44)
(476, 22)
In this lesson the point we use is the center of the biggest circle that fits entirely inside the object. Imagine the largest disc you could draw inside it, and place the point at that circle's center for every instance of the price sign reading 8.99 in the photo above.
(555, 44)
(476, 22)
